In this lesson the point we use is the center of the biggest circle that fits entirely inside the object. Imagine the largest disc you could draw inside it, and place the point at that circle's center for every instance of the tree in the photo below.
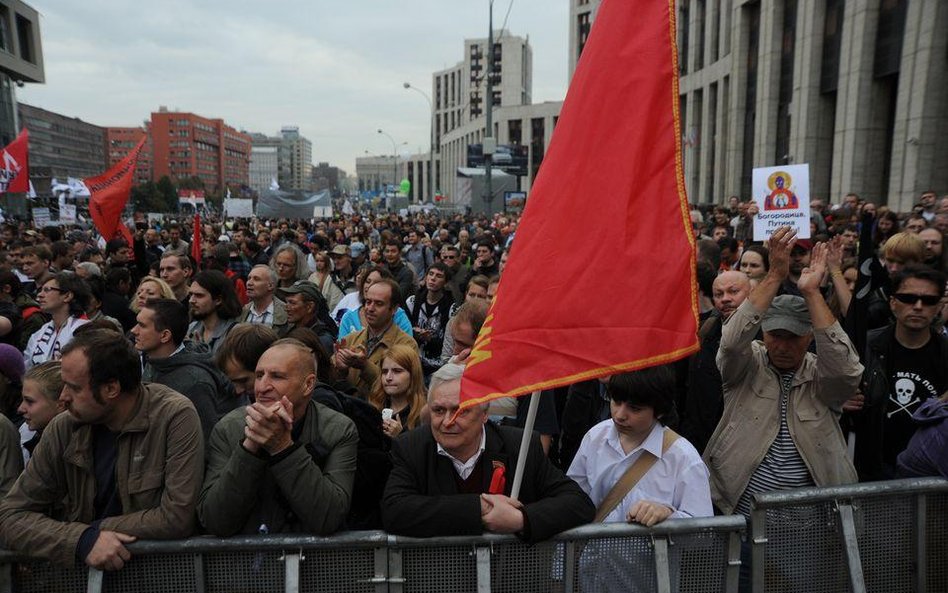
(168, 193)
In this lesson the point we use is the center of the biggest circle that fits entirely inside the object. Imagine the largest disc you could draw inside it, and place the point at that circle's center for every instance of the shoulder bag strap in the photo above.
(632, 476)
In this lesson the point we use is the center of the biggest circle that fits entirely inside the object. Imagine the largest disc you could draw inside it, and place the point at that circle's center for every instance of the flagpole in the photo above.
(525, 444)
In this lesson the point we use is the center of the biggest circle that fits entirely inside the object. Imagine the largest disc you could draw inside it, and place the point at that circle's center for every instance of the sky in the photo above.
(335, 69)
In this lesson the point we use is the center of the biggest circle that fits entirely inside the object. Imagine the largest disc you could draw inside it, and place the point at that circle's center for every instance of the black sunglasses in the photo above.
(929, 300)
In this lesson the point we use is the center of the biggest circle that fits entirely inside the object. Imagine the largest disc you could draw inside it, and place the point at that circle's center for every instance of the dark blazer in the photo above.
(421, 497)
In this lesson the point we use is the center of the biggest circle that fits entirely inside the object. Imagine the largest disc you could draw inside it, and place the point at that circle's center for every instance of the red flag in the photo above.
(14, 165)
(110, 192)
(196, 239)
(601, 277)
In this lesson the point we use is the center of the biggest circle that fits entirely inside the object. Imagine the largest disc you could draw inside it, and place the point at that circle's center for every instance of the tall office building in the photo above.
(855, 89)
(61, 146)
(460, 103)
(296, 160)
(120, 141)
(187, 145)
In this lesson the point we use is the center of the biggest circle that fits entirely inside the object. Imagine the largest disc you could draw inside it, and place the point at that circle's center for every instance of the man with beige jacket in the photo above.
(780, 425)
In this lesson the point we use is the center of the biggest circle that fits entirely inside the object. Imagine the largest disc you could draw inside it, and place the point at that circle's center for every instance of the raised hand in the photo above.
(780, 244)
(812, 276)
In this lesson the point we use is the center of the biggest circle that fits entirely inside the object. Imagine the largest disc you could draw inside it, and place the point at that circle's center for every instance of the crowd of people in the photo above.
(304, 377)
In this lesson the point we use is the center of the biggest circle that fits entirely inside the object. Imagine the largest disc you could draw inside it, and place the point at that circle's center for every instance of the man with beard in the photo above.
(214, 308)
(126, 461)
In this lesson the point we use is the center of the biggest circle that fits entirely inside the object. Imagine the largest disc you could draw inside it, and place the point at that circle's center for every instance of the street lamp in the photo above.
(394, 160)
(408, 85)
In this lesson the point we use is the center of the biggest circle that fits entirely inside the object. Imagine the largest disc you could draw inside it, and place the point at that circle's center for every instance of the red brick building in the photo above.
(188, 145)
(120, 141)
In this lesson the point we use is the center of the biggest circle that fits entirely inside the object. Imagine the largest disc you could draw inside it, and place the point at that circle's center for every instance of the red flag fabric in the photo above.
(601, 276)
(196, 239)
(110, 192)
(14, 165)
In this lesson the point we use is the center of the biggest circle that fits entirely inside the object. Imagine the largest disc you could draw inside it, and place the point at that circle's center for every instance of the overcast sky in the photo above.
(335, 69)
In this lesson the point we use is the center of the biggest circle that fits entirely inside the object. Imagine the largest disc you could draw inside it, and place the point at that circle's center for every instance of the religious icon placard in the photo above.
(782, 195)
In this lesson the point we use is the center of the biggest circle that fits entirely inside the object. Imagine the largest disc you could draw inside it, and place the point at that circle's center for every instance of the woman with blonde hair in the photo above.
(400, 388)
(322, 278)
(40, 403)
(150, 288)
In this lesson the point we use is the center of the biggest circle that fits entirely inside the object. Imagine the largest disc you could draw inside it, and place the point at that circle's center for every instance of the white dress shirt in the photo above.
(264, 317)
(464, 468)
(678, 480)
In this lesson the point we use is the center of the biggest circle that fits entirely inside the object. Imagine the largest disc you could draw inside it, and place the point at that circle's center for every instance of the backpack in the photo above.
(373, 463)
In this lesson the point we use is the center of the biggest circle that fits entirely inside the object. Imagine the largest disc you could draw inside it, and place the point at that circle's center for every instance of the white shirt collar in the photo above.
(652, 443)
(465, 468)
(269, 309)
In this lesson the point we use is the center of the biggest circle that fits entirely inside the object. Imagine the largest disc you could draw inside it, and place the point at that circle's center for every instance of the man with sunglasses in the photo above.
(906, 364)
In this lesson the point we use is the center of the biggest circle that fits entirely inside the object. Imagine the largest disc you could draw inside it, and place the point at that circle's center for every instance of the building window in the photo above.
(582, 32)
(537, 144)
(832, 38)
(515, 131)
(785, 89)
(751, 13)
(889, 37)
(24, 31)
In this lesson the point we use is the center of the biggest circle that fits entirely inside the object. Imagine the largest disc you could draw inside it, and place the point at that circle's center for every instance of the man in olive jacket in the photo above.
(125, 462)
(285, 463)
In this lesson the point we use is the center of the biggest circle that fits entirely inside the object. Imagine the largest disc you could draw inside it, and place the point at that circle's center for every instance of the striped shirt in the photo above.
(782, 467)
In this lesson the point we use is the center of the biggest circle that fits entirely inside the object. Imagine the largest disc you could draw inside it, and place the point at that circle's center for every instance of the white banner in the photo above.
(67, 214)
(783, 196)
(41, 217)
(238, 207)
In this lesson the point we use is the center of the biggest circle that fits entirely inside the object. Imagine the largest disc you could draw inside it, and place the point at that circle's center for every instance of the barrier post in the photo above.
(733, 574)
(483, 569)
(847, 525)
(199, 582)
(388, 570)
(94, 581)
(758, 543)
(921, 543)
(292, 568)
(6, 577)
(662, 576)
(569, 567)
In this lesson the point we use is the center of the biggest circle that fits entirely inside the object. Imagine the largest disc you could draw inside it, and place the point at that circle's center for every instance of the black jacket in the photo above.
(422, 500)
(875, 387)
(192, 373)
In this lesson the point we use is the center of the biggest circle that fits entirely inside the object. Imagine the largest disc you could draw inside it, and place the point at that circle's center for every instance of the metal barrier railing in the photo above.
(690, 555)
(881, 536)
(875, 536)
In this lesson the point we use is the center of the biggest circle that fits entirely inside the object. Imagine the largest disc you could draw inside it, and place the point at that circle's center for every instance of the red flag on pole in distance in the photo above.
(601, 276)
(196, 238)
(109, 194)
(14, 165)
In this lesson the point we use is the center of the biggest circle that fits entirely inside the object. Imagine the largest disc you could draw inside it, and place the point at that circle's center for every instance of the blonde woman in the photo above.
(40, 403)
(150, 288)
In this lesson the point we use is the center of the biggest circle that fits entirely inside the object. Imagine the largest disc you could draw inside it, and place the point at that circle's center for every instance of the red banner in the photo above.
(14, 165)
(196, 241)
(110, 192)
(601, 276)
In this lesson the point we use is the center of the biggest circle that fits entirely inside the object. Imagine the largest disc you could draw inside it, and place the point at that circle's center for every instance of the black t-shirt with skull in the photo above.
(914, 376)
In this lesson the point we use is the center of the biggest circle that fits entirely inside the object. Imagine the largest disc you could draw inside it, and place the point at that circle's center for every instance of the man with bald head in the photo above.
(284, 464)
(704, 401)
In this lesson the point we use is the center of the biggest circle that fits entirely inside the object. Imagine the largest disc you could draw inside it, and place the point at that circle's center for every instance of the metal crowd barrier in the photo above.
(875, 536)
(881, 536)
(690, 555)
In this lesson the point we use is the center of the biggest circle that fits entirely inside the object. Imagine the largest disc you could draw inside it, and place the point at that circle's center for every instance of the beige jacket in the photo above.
(364, 379)
(159, 470)
(751, 417)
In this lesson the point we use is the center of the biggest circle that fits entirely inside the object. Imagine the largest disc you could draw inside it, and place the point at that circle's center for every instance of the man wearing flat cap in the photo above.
(780, 425)
(306, 307)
